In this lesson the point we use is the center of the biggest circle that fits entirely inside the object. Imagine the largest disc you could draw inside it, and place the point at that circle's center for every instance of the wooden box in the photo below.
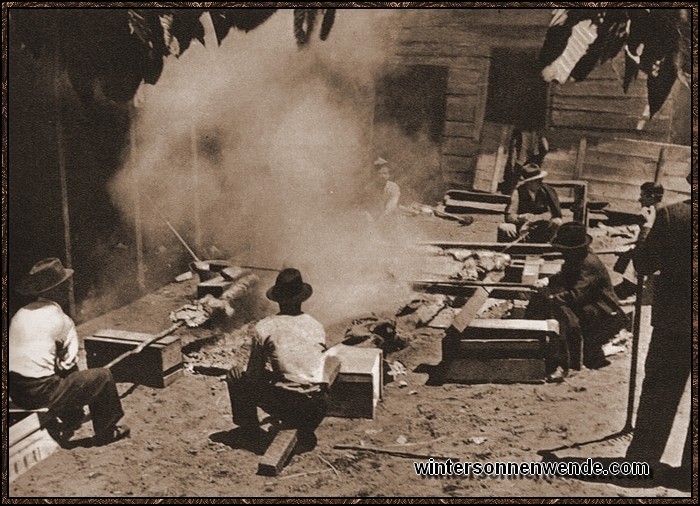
(30, 443)
(358, 387)
(498, 351)
(158, 365)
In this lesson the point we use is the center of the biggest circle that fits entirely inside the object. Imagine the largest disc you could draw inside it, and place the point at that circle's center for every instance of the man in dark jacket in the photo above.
(668, 249)
(533, 209)
(582, 299)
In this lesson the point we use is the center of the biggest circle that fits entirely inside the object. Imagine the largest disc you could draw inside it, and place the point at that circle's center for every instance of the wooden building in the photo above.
(470, 77)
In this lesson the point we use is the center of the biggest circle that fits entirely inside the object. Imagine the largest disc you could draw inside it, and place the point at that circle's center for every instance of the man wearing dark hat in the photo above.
(582, 299)
(285, 373)
(667, 249)
(43, 351)
(534, 211)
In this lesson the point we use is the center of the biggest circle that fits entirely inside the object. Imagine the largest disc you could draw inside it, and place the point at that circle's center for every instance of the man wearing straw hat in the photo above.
(533, 212)
(43, 352)
(285, 373)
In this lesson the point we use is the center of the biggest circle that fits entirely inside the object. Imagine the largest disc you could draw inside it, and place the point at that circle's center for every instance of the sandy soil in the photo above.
(185, 445)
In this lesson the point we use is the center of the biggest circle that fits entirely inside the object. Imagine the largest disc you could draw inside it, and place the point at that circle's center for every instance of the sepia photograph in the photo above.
(360, 251)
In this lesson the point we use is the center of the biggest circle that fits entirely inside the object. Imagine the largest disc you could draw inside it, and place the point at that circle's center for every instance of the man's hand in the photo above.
(525, 217)
(509, 229)
(542, 282)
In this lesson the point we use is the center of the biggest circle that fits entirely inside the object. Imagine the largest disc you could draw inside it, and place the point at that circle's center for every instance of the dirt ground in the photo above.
(185, 445)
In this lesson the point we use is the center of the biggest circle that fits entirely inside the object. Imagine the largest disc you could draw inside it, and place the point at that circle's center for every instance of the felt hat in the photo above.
(531, 172)
(652, 189)
(45, 275)
(571, 236)
(289, 287)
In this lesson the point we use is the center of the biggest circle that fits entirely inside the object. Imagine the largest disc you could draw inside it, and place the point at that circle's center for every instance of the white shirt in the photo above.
(290, 345)
(42, 339)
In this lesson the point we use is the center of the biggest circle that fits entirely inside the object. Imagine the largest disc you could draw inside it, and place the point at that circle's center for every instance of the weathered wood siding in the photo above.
(616, 168)
(463, 40)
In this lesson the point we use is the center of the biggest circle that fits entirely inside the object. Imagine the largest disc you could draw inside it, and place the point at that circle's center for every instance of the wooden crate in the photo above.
(358, 387)
(30, 443)
(158, 365)
(495, 370)
(498, 351)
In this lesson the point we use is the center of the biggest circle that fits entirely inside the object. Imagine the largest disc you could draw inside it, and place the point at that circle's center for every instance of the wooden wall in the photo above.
(616, 168)
(467, 63)
(597, 108)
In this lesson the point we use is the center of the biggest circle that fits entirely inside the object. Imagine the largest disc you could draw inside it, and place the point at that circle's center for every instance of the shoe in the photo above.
(306, 441)
(112, 434)
(557, 376)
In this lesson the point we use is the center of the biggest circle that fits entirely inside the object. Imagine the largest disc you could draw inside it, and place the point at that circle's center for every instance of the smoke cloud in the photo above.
(269, 148)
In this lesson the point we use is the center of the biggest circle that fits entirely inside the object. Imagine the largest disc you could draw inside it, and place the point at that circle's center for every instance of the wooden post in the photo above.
(61, 153)
(138, 225)
(195, 181)
(660, 164)
(580, 157)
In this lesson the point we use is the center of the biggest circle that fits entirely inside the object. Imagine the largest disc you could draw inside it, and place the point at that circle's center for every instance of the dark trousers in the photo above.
(296, 410)
(666, 372)
(66, 396)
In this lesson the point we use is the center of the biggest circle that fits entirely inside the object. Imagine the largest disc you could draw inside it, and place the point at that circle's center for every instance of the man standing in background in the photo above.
(668, 249)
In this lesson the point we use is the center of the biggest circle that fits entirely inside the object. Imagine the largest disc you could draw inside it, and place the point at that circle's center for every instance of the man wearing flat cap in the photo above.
(533, 211)
(285, 373)
(43, 352)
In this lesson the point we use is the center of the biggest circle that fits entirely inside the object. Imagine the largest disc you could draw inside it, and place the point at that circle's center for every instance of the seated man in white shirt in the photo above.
(285, 373)
(43, 352)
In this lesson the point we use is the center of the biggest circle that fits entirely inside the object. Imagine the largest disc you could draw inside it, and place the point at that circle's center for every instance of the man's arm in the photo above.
(67, 348)
(586, 289)
(511, 215)
(256, 361)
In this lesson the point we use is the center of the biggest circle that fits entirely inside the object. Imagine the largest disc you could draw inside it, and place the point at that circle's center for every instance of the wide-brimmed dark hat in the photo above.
(571, 236)
(531, 172)
(45, 275)
(289, 287)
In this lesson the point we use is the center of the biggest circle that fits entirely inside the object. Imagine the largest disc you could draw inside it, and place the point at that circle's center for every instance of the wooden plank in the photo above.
(617, 105)
(604, 88)
(277, 454)
(461, 164)
(676, 169)
(494, 370)
(461, 108)
(488, 328)
(500, 348)
(465, 207)
(580, 157)
(27, 426)
(33, 450)
(463, 195)
(459, 129)
(460, 146)
(516, 249)
(606, 121)
(469, 310)
(531, 270)
(621, 165)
